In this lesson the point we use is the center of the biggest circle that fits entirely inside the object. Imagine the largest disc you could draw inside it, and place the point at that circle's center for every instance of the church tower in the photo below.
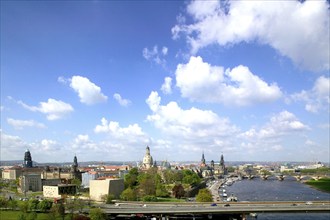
(222, 165)
(203, 162)
(27, 159)
(75, 173)
(147, 159)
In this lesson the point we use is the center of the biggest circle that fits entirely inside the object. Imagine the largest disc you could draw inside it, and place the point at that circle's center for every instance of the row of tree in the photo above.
(147, 185)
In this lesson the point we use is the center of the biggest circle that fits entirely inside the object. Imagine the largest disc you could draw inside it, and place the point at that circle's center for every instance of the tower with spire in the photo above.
(75, 173)
(27, 159)
(203, 162)
(222, 166)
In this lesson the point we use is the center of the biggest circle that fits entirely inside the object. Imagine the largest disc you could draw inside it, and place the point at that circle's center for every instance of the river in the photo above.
(275, 190)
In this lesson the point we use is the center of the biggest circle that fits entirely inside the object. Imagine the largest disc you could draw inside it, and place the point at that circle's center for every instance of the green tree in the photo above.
(44, 205)
(147, 184)
(33, 204)
(178, 191)
(97, 214)
(161, 190)
(12, 203)
(128, 194)
(24, 206)
(190, 177)
(130, 179)
(3, 202)
(76, 182)
(108, 198)
(204, 195)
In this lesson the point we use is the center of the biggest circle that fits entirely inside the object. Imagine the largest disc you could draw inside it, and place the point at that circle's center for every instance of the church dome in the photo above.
(147, 159)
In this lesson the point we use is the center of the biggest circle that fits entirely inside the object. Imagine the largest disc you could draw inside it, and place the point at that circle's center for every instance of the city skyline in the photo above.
(104, 79)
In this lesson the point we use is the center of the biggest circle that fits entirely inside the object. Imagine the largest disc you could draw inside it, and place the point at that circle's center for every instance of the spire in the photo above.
(203, 159)
(75, 161)
(27, 159)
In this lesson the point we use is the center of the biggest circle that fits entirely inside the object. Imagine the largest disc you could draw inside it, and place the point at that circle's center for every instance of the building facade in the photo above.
(100, 188)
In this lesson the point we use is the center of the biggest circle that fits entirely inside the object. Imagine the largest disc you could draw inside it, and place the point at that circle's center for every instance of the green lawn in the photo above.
(13, 215)
(159, 199)
(321, 184)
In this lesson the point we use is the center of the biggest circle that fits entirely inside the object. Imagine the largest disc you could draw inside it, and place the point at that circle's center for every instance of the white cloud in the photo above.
(155, 55)
(191, 127)
(20, 124)
(54, 109)
(121, 101)
(131, 133)
(88, 92)
(316, 99)
(282, 124)
(199, 81)
(167, 85)
(298, 30)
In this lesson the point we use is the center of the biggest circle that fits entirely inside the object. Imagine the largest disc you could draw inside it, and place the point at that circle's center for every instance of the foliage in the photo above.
(24, 206)
(12, 203)
(265, 172)
(149, 199)
(204, 195)
(318, 171)
(130, 179)
(321, 184)
(108, 198)
(33, 204)
(45, 205)
(178, 191)
(190, 177)
(3, 202)
(128, 194)
(231, 169)
(97, 214)
(161, 190)
(147, 184)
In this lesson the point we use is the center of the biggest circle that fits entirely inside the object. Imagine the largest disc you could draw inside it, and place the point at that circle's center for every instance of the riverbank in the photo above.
(321, 184)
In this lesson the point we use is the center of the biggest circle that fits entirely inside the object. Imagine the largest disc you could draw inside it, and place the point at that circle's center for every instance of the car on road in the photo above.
(226, 205)
(213, 204)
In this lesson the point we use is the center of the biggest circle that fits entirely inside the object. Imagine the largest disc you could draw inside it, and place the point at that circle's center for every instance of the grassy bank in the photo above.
(321, 184)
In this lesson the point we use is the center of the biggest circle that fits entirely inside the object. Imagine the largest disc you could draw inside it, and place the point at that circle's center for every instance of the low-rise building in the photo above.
(99, 188)
(59, 190)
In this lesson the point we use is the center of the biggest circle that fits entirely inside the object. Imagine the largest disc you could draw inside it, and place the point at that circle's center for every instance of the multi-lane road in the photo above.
(216, 208)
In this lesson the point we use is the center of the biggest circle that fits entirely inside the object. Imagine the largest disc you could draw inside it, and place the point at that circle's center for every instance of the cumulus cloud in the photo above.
(121, 101)
(199, 81)
(20, 124)
(88, 92)
(317, 98)
(191, 127)
(284, 123)
(298, 30)
(131, 133)
(167, 85)
(156, 55)
(53, 109)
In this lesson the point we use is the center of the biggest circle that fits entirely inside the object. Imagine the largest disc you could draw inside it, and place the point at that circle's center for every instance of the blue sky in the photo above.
(104, 79)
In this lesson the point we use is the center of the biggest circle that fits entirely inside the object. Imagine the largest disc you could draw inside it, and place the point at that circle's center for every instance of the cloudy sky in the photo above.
(104, 79)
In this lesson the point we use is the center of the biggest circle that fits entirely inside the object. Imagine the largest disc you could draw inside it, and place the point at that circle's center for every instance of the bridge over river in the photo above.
(237, 210)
